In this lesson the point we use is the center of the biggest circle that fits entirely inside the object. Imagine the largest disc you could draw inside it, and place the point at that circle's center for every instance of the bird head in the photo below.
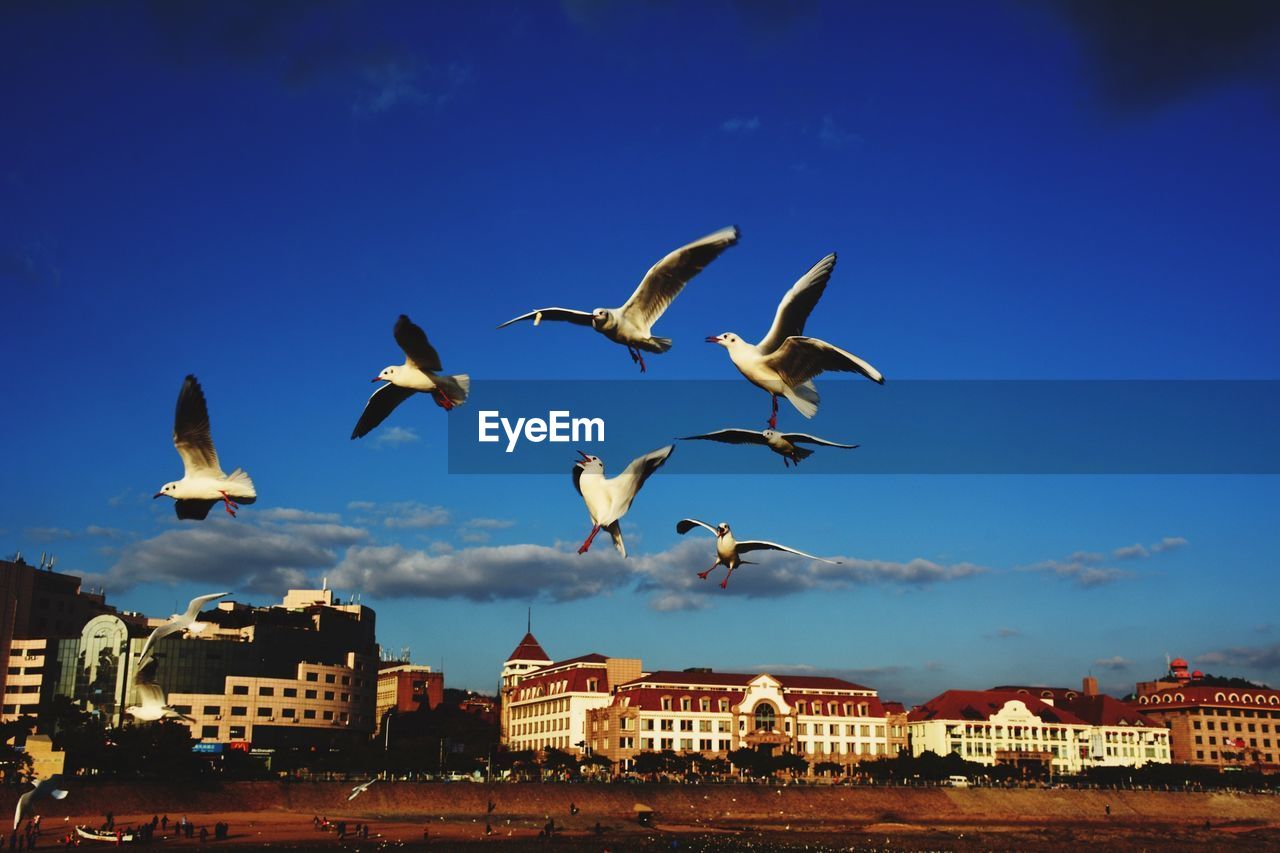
(589, 463)
(770, 433)
(169, 489)
(721, 529)
(725, 340)
(600, 318)
(388, 374)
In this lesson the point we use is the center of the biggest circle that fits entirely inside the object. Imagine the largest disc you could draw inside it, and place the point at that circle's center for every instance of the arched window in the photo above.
(1180, 698)
(766, 717)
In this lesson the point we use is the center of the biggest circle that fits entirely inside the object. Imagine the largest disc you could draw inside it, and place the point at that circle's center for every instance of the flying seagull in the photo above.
(154, 705)
(728, 549)
(784, 362)
(632, 324)
(608, 500)
(781, 443)
(203, 483)
(361, 788)
(419, 373)
(49, 787)
(178, 623)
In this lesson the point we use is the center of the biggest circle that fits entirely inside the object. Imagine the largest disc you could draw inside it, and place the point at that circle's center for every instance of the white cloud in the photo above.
(832, 136)
(291, 514)
(395, 436)
(401, 514)
(491, 523)
(741, 125)
(1114, 664)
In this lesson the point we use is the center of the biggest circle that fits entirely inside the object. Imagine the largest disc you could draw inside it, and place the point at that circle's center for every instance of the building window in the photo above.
(209, 732)
(239, 690)
(264, 712)
(310, 694)
(290, 692)
(328, 696)
(312, 676)
(239, 711)
(287, 713)
(766, 717)
(666, 703)
(328, 715)
(328, 678)
(266, 691)
(212, 710)
(308, 714)
(236, 733)
(685, 704)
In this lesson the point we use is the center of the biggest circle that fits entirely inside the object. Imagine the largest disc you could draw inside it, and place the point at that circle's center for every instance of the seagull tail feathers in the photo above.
(805, 398)
(241, 478)
(803, 452)
(656, 345)
(615, 530)
(456, 388)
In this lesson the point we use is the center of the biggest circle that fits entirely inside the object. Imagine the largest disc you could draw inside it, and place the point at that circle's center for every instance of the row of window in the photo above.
(1213, 755)
(850, 729)
(556, 706)
(287, 692)
(558, 724)
(1226, 727)
(1228, 741)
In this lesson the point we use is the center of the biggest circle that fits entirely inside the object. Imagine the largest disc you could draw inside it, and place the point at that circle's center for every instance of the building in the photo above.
(1038, 729)
(711, 713)
(547, 707)
(406, 687)
(303, 673)
(1214, 722)
(524, 659)
(36, 604)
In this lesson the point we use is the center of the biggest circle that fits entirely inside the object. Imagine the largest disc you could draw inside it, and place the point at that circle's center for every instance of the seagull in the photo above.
(728, 548)
(608, 500)
(361, 788)
(781, 443)
(49, 787)
(178, 623)
(419, 373)
(155, 706)
(632, 324)
(203, 483)
(785, 361)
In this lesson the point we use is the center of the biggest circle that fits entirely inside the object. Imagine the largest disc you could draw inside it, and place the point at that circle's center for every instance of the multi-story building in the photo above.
(1034, 729)
(1214, 722)
(524, 659)
(303, 673)
(406, 687)
(548, 707)
(713, 713)
(36, 604)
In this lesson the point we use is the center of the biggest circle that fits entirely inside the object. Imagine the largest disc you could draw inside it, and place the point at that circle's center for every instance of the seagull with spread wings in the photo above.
(785, 444)
(607, 499)
(203, 482)
(784, 362)
(178, 623)
(420, 373)
(361, 788)
(632, 324)
(728, 549)
(153, 704)
(48, 787)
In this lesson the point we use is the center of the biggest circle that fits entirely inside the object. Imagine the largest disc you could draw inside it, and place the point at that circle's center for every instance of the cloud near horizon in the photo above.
(1086, 568)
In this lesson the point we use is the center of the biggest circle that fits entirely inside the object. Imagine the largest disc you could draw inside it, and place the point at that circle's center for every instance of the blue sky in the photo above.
(253, 193)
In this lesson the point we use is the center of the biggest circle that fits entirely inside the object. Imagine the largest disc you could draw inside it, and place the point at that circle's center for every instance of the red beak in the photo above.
(714, 339)
(376, 379)
(157, 495)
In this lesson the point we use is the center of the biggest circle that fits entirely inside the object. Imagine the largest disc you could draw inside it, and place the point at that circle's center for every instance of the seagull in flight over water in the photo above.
(608, 500)
(419, 373)
(632, 324)
(784, 362)
(782, 443)
(728, 549)
(203, 482)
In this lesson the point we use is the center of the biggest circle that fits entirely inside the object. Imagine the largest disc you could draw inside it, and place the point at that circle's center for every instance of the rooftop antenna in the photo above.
(528, 628)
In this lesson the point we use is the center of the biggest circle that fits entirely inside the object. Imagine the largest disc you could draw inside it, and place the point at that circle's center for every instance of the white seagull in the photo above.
(50, 787)
(178, 623)
(784, 362)
(361, 788)
(203, 482)
(419, 373)
(608, 500)
(728, 548)
(781, 443)
(155, 706)
(632, 324)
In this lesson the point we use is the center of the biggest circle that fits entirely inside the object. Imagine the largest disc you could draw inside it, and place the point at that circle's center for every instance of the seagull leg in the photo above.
(773, 415)
(703, 575)
(724, 584)
(442, 399)
(636, 357)
(229, 505)
(587, 544)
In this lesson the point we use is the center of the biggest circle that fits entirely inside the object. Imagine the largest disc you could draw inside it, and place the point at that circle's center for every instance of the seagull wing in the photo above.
(730, 436)
(577, 478)
(160, 632)
(567, 315)
(684, 525)
(191, 433)
(799, 359)
(797, 303)
(626, 485)
(758, 545)
(150, 694)
(197, 604)
(665, 279)
(797, 437)
(413, 341)
(381, 403)
(193, 508)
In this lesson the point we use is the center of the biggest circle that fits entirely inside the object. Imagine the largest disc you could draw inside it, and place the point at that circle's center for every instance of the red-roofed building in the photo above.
(527, 656)
(1041, 729)
(1216, 725)
(713, 713)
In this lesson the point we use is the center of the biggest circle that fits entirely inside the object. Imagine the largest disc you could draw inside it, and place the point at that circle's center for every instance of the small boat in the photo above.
(105, 835)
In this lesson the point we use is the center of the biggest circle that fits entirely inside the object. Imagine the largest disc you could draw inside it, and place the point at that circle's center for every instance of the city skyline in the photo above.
(253, 195)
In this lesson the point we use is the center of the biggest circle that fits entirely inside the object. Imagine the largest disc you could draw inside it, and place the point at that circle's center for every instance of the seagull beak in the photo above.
(376, 379)
(157, 495)
(584, 456)
(713, 339)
